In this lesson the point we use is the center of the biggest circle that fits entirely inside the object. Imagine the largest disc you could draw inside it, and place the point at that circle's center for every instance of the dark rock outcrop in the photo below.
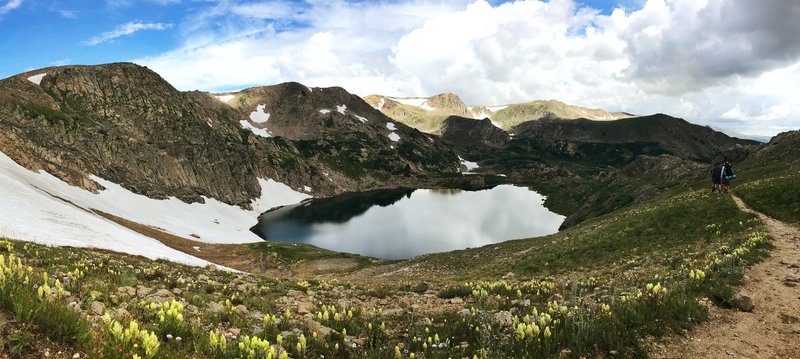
(467, 132)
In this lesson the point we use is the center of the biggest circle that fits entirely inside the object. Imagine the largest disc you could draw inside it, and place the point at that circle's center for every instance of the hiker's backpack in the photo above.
(729, 175)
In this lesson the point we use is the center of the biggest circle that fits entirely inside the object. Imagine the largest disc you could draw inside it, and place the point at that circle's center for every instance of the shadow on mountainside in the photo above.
(772, 328)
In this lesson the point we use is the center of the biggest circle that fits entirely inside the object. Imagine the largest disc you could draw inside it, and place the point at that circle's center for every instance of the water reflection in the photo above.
(402, 223)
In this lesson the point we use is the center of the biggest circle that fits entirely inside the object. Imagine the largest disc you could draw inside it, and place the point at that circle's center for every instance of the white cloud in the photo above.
(10, 5)
(125, 30)
(694, 59)
(68, 14)
(62, 62)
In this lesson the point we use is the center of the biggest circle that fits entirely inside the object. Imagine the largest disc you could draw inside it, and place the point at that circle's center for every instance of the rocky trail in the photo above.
(772, 328)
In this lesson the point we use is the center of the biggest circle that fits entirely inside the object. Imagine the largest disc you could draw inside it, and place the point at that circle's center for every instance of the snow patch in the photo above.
(257, 131)
(341, 109)
(259, 115)
(380, 104)
(38, 207)
(225, 98)
(496, 108)
(307, 189)
(394, 136)
(468, 164)
(324, 111)
(37, 79)
(362, 119)
(390, 126)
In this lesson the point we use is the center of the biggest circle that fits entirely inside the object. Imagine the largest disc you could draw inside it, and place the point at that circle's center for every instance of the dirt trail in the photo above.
(772, 329)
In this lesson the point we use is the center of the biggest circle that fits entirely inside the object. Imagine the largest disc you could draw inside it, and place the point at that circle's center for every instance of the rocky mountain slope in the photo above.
(653, 135)
(124, 123)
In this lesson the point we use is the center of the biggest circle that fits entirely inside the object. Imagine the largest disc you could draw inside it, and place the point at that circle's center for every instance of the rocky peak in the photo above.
(449, 102)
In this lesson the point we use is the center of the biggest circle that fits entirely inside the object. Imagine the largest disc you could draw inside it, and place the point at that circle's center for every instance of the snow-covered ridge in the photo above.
(37, 79)
(225, 98)
(38, 207)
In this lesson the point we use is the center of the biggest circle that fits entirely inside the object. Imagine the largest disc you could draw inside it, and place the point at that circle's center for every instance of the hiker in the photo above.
(716, 177)
(727, 175)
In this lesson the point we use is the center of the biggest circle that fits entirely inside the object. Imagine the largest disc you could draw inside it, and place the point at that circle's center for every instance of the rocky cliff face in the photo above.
(459, 131)
(126, 124)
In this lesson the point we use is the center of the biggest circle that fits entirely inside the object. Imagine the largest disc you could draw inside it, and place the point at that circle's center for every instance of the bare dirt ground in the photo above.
(772, 329)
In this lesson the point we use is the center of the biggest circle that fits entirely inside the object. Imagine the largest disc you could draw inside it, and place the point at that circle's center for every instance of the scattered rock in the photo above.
(235, 331)
(142, 291)
(121, 314)
(464, 312)
(177, 291)
(421, 287)
(508, 275)
(126, 291)
(744, 301)
(565, 354)
(503, 318)
(788, 319)
(405, 302)
(425, 322)
(97, 308)
(215, 307)
(202, 278)
(305, 308)
(241, 309)
(321, 330)
(456, 300)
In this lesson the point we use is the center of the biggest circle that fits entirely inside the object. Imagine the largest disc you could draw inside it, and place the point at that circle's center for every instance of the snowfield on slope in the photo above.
(38, 207)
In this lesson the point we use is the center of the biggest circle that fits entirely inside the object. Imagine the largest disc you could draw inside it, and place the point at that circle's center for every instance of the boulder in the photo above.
(97, 308)
(744, 301)
(421, 287)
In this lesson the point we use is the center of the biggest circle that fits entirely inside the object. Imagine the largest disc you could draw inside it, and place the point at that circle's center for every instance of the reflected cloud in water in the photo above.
(404, 223)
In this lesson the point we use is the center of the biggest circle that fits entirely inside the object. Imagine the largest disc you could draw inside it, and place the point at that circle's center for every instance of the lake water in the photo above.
(402, 223)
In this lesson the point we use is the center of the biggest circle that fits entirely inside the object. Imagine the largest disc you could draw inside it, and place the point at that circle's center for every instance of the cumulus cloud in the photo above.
(693, 59)
(125, 30)
(9, 5)
(680, 46)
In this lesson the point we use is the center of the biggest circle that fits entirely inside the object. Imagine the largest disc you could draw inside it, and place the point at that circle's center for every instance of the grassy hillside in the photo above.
(589, 290)
(768, 180)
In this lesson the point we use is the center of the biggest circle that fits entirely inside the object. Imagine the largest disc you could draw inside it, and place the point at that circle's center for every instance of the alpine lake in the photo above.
(403, 223)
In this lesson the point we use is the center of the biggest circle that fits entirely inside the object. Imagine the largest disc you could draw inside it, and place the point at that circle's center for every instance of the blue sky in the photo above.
(732, 64)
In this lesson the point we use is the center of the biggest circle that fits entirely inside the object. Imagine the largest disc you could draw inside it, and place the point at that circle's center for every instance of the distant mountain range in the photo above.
(427, 114)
